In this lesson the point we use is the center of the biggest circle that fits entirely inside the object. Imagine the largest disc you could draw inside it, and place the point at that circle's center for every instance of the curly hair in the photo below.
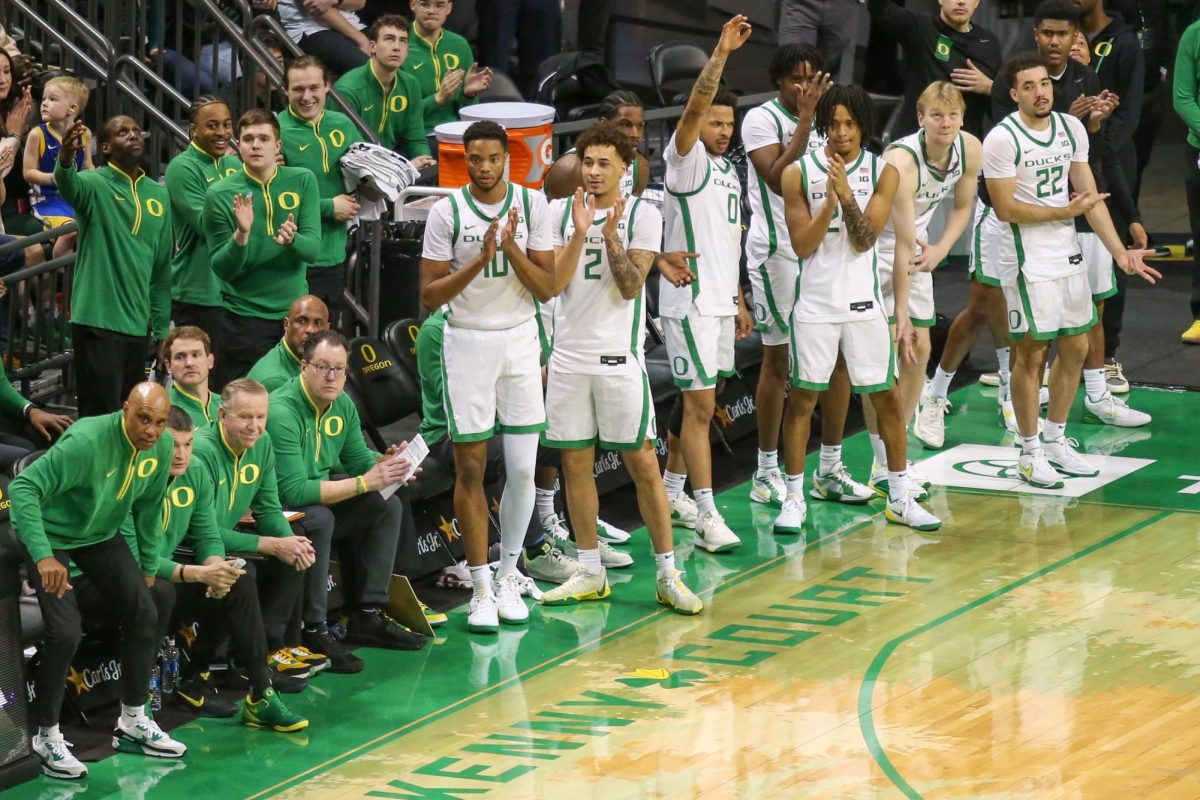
(602, 134)
(857, 103)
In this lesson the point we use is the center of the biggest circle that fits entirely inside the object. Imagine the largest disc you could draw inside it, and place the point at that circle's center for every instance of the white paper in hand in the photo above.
(411, 458)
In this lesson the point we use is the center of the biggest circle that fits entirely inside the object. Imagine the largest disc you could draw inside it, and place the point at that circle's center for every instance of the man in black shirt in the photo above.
(1151, 26)
(945, 47)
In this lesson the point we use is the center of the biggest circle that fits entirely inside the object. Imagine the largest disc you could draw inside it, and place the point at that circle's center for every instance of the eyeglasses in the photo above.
(425, 4)
(328, 371)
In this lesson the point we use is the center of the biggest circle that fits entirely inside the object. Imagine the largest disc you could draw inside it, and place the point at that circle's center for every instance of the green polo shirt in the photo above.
(188, 177)
(202, 414)
(428, 61)
(277, 367)
(396, 115)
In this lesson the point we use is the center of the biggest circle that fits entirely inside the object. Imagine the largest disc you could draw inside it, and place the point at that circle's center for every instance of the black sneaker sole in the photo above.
(385, 644)
(205, 708)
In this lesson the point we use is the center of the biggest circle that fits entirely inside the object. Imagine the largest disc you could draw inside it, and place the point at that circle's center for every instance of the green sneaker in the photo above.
(270, 712)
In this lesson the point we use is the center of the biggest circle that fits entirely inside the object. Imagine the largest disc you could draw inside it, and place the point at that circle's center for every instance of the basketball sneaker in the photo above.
(316, 660)
(550, 564)
(197, 693)
(684, 513)
(1008, 417)
(57, 759)
(713, 535)
(271, 712)
(435, 618)
(483, 616)
(990, 378)
(790, 521)
(1192, 334)
(611, 533)
(581, 586)
(908, 512)
(918, 483)
(553, 525)
(673, 592)
(1112, 410)
(1035, 469)
(142, 735)
(917, 478)
(283, 661)
(837, 485)
(767, 486)
(929, 426)
(610, 557)
(1062, 456)
(509, 605)
(1114, 377)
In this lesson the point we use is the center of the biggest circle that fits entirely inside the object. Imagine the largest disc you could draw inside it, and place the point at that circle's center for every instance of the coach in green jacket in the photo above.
(122, 288)
(263, 228)
(443, 64)
(189, 359)
(307, 315)
(314, 427)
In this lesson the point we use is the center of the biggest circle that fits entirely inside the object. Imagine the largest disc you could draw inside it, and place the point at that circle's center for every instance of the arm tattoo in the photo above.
(861, 232)
(710, 78)
(629, 274)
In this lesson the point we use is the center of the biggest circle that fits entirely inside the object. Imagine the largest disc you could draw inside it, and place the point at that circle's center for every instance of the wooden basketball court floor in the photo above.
(1040, 645)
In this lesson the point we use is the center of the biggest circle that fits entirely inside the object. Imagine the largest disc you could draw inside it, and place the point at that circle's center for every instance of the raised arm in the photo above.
(733, 35)
(770, 160)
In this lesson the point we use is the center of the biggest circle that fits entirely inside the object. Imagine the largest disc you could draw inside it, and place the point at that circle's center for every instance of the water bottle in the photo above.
(156, 688)
(170, 667)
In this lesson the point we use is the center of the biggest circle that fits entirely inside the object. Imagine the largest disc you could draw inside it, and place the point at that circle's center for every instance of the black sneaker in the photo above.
(373, 628)
(238, 680)
(341, 660)
(198, 694)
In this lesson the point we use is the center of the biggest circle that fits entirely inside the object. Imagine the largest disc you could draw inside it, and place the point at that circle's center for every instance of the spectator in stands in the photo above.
(945, 47)
(385, 96)
(264, 89)
(122, 286)
(220, 595)
(239, 463)
(316, 432)
(209, 157)
(63, 101)
(829, 25)
(260, 255)
(438, 58)
(536, 25)
(8, 44)
(327, 29)
(16, 105)
(196, 58)
(1187, 106)
(12, 405)
(316, 138)
(1152, 27)
(188, 356)
(306, 315)
(66, 508)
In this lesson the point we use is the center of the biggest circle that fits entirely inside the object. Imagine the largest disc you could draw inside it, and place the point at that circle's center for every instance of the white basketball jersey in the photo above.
(702, 214)
(836, 283)
(1041, 163)
(933, 186)
(596, 331)
(764, 125)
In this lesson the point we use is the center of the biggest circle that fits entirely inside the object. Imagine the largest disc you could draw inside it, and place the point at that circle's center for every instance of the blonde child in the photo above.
(63, 101)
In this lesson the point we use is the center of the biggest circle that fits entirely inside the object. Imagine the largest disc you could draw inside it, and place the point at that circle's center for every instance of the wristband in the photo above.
(361, 484)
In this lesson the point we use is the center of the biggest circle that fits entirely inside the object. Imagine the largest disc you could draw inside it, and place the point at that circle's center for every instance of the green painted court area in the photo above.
(1039, 645)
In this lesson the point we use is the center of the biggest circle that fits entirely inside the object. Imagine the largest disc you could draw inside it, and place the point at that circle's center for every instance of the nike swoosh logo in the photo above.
(118, 197)
(111, 472)
(304, 147)
(368, 108)
(418, 66)
(221, 482)
(984, 41)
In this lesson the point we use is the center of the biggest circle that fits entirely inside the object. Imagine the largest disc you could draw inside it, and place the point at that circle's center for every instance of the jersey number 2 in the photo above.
(594, 257)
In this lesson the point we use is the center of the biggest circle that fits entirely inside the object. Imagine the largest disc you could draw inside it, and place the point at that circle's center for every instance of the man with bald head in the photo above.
(307, 315)
(67, 508)
(122, 288)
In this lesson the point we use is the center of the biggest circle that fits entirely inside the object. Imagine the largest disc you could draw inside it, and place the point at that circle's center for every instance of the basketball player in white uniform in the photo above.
(597, 390)
(776, 134)
(1028, 159)
(701, 318)
(837, 202)
(488, 253)
(939, 163)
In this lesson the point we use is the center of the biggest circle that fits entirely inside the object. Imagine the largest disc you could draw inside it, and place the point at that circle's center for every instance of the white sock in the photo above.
(1053, 431)
(795, 486)
(831, 456)
(544, 503)
(132, 713)
(768, 459)
(516, 502)
(47, 730)
(1002, 358)
(1030, 445)
(590, 560)
(508, 562)
(673, 482)
(665, 563)
(878, 449)
(939, 384)
(481, 580)
(897, 485)
(704, 501)
(1094, 384)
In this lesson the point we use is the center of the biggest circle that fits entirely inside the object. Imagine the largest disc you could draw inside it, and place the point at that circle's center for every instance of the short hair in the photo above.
(257, 116)
(725, 97)
(1057, 9)
(941, 93)
(787, 58)
(74, 87)
(180, 420)
(202, 102)
(185, 332)
(852, 98)
(606, 133)
(485, 129)
(1020, 62)
(386, 21)
(240, 386)
(315, 340)
(304, 62)
(613, 102)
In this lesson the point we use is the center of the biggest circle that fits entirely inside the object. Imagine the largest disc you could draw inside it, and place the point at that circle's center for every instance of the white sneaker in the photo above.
(767, 486)
(839, 486)
(918, 484)
(1114, 377)
(713, 535)
(483, 616)
(990, 379)
(916, 478)
(610, 558)
(910, 513)
(509, 606)
(142, 735)
(1062, 456)
(791, 518)
(1111, 410)
(528, 587)
(581, 586)
(57, 759)
(554, 525)
(1044, 396)
(551, 564)
(673, 592)
(609, 532)
(1035, 470)
(684, 513)
(1009, 417)
(930, 424)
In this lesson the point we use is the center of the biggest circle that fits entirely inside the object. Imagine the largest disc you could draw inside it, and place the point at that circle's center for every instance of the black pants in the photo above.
(246, 340)
(1193, 203)
(107, 366)
(207, 318)
(109, 567)
(535, 25)
(329, 284)
(367, 530)
(1154, 110)
(337, 52)
(237, 616)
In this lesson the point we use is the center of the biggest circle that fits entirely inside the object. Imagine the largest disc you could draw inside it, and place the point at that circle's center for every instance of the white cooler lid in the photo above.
(452, 132)
(510, 115)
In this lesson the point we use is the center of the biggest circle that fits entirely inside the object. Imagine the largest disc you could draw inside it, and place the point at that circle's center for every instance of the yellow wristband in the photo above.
(362, 485)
